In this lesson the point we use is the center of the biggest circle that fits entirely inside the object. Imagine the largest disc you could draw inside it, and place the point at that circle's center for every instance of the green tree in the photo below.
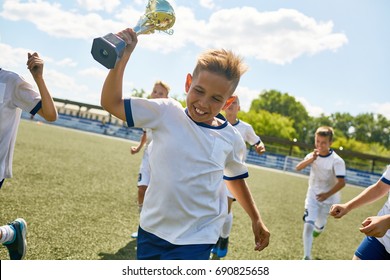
(138, 93)
(274, 101)
(271, 124)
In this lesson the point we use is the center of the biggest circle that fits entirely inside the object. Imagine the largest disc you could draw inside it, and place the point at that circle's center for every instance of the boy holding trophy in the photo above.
(194, 150)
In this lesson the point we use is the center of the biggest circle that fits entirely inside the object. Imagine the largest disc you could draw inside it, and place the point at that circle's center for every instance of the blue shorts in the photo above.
(372, 249)
(151, 247)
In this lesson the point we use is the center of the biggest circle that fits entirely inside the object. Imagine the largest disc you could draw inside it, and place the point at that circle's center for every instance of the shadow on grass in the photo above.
(129, 252)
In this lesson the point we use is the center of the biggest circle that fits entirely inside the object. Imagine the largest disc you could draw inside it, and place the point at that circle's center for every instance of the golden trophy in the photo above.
(159, 15)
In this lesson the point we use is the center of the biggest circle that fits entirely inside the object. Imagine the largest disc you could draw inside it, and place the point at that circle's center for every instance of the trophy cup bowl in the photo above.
(159, 15)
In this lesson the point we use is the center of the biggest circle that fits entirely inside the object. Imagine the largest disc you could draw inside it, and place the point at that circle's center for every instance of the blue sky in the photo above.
(333, 56)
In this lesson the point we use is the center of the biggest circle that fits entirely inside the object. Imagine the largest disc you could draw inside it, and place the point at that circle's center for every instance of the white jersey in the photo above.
(385, 240)
(323, 175)
(149, 137)
(185, 202)
(15, 95)
(144, 169)
(247, 132)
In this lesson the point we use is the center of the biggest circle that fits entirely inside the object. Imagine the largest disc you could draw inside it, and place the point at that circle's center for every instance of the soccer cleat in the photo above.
(134, 235)
(215, 248)
(223, 247)
(17, 248)
(306, 258)
(316, 233)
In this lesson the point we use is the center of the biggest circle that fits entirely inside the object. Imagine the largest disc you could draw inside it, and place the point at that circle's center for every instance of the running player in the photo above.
(17, 95)
(220, 249)
(327, 178)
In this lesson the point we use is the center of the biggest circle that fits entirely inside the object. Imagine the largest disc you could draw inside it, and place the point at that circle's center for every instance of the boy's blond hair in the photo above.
(164, 85)
(222, 62)
(325, 131)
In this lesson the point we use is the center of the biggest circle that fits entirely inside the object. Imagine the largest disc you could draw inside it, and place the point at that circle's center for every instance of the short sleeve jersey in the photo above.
(16, 95)
(324, 173)
(247, 132)
(185, 202)
(385, 240)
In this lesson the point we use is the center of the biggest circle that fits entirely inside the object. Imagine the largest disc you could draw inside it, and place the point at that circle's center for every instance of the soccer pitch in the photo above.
(77, 191)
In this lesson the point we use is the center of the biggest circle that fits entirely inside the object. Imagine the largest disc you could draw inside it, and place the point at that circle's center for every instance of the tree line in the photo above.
(278, 114)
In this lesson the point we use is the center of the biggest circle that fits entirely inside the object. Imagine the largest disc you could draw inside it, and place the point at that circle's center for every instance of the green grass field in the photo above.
(77, 192)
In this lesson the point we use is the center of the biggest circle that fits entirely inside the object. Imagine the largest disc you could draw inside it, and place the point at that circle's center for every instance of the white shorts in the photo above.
(316, 212)
(144, 170)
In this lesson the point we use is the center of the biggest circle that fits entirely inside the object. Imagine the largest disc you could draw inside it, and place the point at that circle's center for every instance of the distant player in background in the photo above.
(376, 244)
(160, 90)
(16, 95)
(248, 134)
(327, 178)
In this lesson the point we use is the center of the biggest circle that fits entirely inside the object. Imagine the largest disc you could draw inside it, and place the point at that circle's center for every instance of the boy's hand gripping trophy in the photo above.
(159, 15)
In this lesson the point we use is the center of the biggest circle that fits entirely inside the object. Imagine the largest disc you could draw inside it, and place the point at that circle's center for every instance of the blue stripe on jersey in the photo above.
(219, 116)
(340, 176)
(129, 115)
(242, 176)
(36, 108)
(384, 180)
(330, 152)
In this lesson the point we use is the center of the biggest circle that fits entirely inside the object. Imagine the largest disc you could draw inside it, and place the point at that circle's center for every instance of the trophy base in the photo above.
(107, 50)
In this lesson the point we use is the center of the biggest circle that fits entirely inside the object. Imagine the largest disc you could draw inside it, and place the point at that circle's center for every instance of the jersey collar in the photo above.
(219, 116)
(330, 152)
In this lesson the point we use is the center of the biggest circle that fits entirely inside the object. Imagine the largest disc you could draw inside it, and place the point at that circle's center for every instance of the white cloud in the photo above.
(276, 36)
(67, 62)
(313, 111)
(99, 5)
(12, 57)
(208, 4)
(57, 22)
(381, 108)
(246, 96)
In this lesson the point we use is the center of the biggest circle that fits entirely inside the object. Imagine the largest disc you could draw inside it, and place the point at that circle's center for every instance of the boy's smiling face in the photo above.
(322, 144)
(207, 94)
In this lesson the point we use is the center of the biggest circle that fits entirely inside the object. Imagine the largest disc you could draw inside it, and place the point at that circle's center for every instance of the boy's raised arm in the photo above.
(112, 92)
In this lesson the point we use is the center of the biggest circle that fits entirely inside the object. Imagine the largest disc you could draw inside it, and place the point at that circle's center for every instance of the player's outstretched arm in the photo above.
(48, 110)
(370, 194)
(111, 98)
(241, 192)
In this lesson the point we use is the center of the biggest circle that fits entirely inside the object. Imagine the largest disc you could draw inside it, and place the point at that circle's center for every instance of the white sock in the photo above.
(7, 234)
(307, 239)
(227, 226)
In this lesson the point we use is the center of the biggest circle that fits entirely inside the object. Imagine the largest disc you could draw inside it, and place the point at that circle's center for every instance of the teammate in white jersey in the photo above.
(194, 149)
(327, 178)
(248, 134)
(160, 90)
(376, 244)
(16, 95)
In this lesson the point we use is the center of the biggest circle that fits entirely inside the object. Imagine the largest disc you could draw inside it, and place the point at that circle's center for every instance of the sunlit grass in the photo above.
(77, 192)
